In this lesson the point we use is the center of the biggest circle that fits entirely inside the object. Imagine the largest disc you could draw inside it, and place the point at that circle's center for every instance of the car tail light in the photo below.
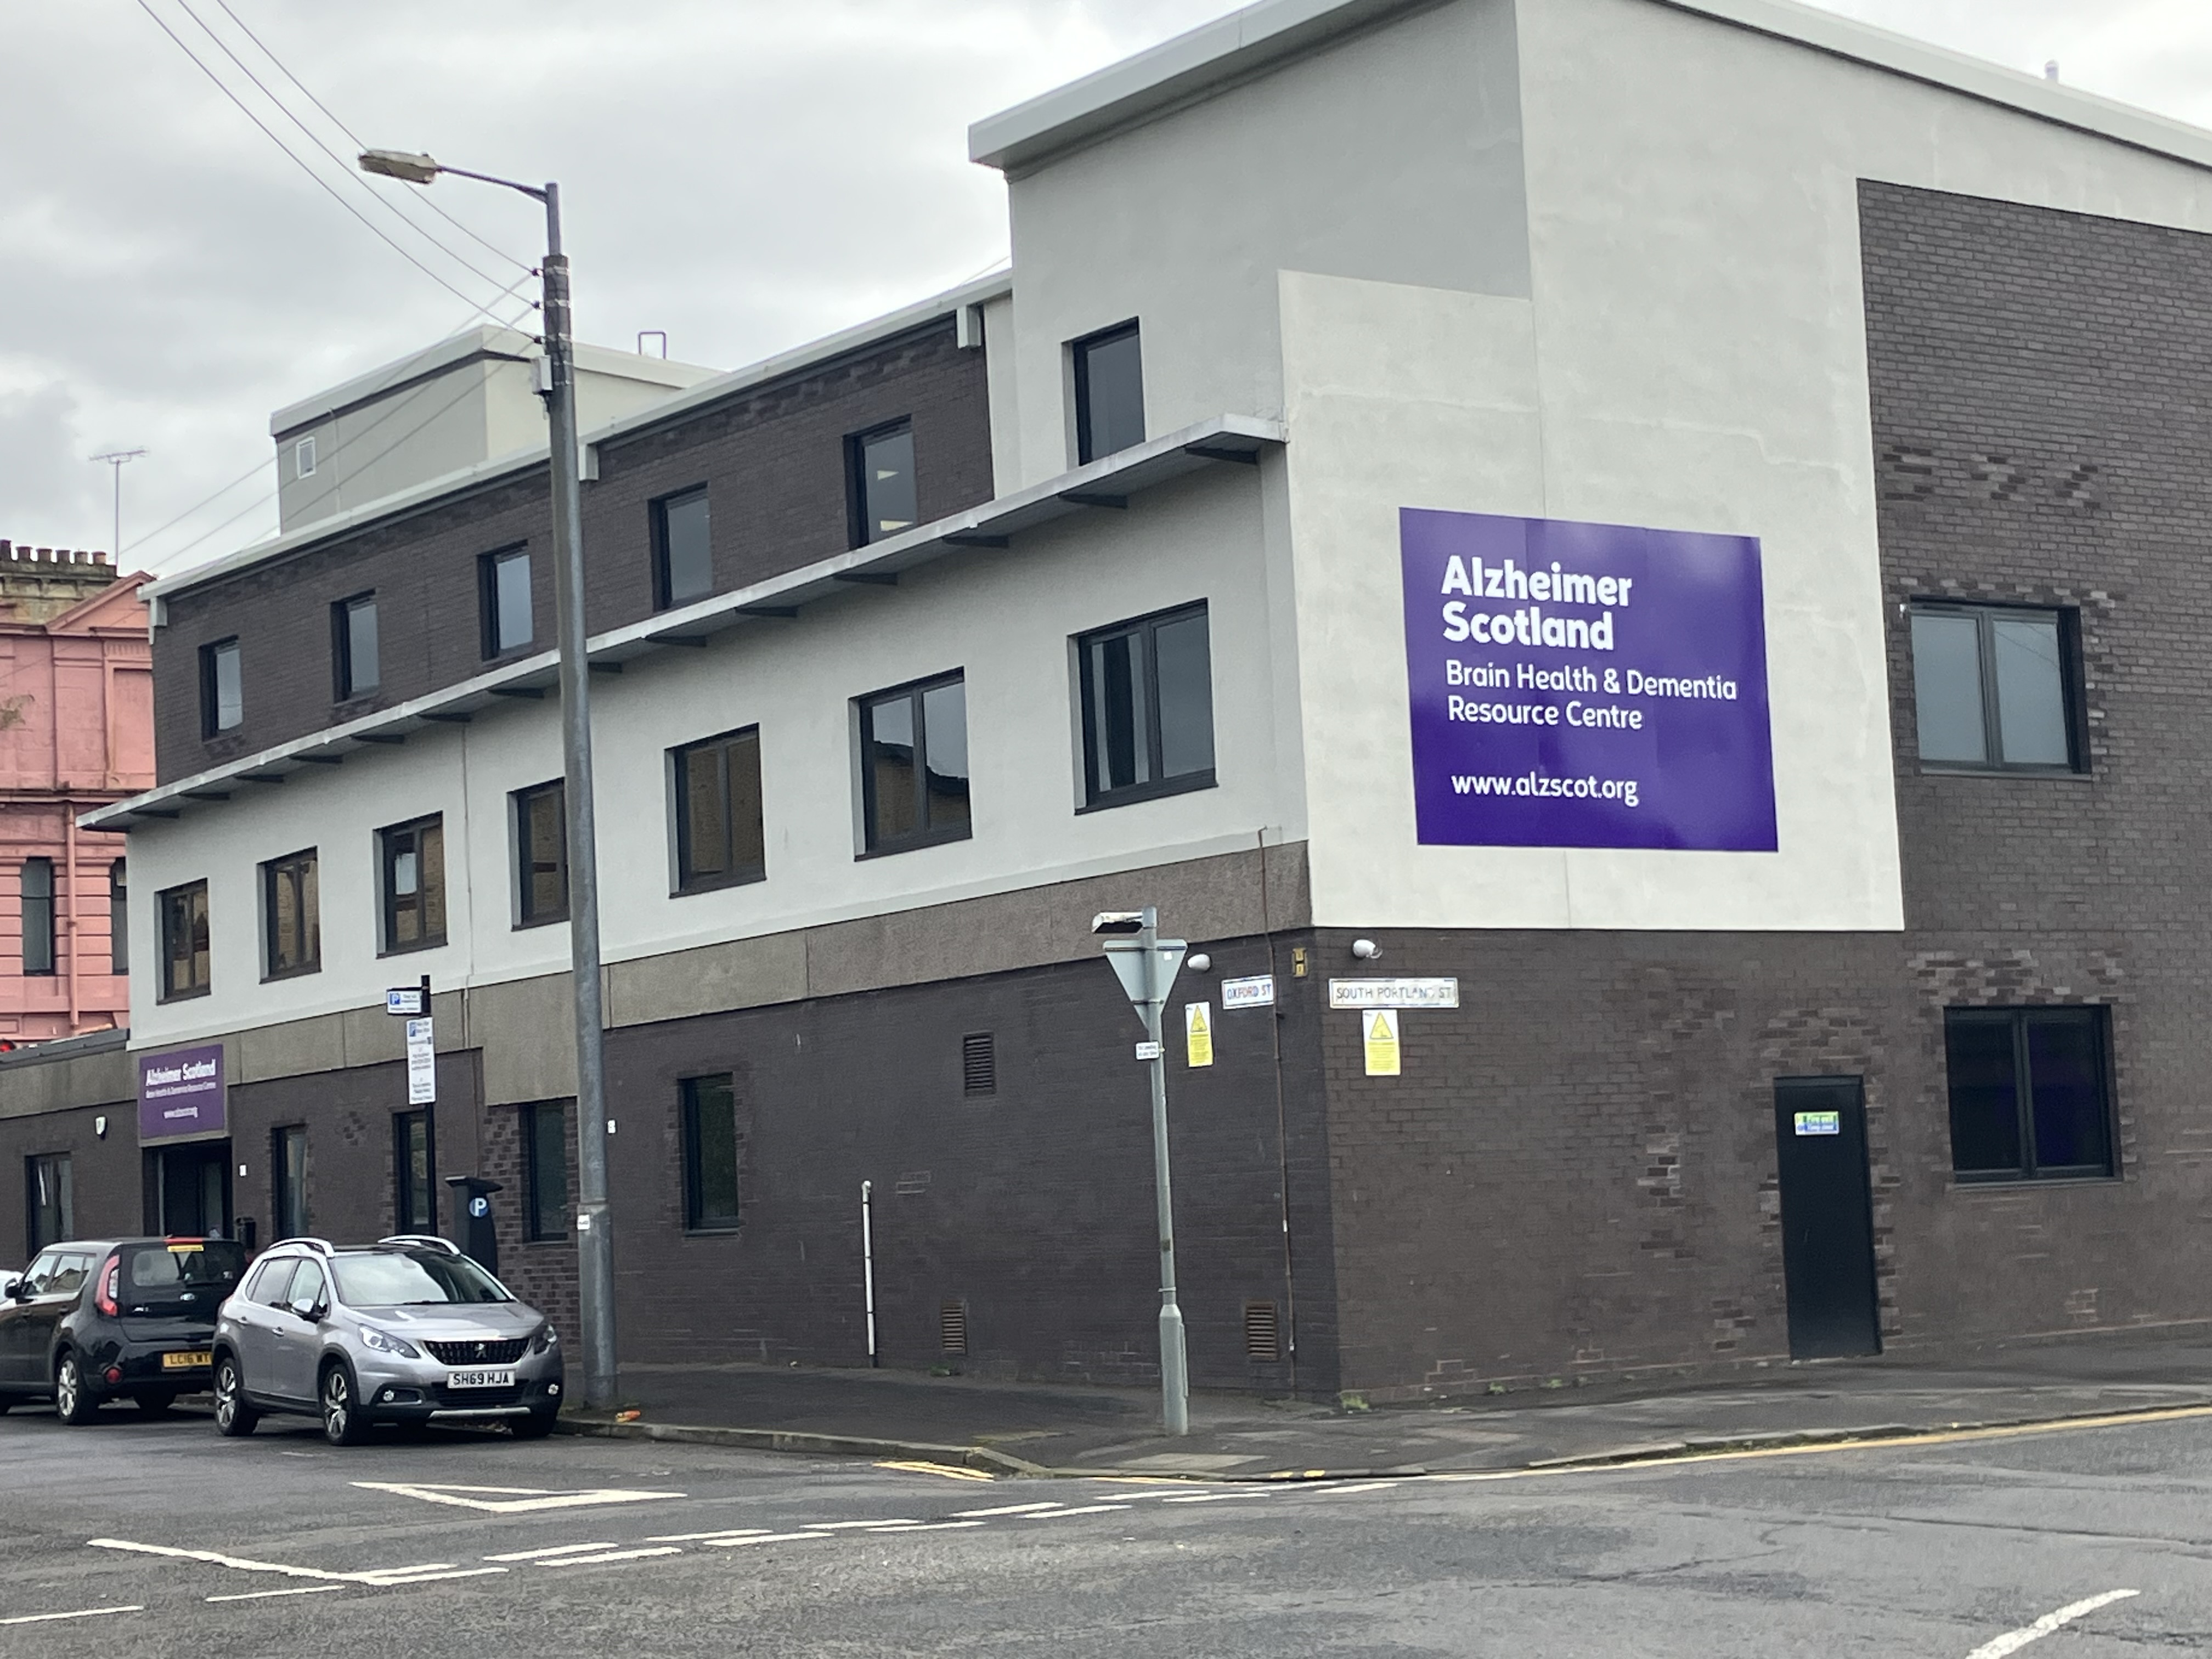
(104, 1297)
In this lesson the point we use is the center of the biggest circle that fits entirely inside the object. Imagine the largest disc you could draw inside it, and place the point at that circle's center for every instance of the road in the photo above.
(168, 1539)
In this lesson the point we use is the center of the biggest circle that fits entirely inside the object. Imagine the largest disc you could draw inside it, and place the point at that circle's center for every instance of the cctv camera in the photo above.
(1118, 921)
(1365, 950)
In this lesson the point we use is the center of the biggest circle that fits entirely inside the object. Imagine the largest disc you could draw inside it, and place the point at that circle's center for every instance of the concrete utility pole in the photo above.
(595, 1259)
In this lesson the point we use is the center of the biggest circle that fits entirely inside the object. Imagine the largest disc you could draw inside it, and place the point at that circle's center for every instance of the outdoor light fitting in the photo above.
(399, 164)
(1365, 950)
(1118, 921)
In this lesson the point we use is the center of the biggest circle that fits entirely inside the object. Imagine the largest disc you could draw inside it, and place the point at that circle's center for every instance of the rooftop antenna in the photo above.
(659, 334)
(117, 461)
(2051, 70)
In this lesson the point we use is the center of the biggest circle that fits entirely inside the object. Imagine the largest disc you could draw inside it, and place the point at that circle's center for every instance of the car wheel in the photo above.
(536, 1426)
(233, 1416)
(73, 1402)
(155, 1404)
(343, 1422)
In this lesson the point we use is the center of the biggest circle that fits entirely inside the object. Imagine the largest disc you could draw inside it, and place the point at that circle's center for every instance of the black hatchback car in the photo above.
(96, 1320)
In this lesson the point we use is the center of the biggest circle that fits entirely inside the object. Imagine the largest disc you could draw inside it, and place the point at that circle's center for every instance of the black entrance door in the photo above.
(1827, 1217)
(189, 1190)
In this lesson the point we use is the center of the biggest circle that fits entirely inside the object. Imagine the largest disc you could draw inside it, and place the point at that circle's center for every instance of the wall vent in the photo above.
(952, 1326)
(1263, 1334)
(979, 1065)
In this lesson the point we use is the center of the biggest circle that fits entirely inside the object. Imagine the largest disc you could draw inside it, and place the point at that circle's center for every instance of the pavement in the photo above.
(1040, 1429)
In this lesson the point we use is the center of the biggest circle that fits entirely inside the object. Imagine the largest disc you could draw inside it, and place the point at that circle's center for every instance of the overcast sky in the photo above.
(746, 175)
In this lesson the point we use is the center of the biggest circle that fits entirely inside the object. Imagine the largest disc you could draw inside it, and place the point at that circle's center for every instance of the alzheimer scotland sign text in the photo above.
(1585, 685)
(180, 1093)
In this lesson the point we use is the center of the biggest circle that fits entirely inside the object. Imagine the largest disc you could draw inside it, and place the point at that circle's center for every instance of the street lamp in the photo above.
(1146, 964)
(595, 1259)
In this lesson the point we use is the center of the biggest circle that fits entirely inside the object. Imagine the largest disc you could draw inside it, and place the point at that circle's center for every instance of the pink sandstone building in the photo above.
(76, 732)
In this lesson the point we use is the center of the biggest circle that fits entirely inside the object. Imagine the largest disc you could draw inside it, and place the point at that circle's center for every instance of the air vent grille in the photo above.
(979, 1065)
(952, 1326)
(1263, 1332)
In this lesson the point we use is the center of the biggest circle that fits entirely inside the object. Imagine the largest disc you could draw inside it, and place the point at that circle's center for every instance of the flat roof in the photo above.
(1195, 65)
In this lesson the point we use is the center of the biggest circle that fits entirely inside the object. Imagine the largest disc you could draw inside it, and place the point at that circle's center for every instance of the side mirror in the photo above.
(12, 1288)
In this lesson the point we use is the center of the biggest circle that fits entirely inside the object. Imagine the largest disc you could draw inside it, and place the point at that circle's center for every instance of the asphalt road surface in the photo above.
(133, 1538)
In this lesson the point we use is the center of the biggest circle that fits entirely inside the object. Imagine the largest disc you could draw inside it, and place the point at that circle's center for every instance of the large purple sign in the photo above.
(1585, 685)
(181, 1093)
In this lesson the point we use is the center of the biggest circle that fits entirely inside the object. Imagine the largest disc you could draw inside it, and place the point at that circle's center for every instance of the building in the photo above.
(1639, 559)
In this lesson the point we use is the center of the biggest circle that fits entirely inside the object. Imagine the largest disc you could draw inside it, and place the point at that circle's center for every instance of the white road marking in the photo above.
(707, 1537)
(951, 1471)
(512, 1500)
(938, 1526)
(1010, 1509)
(556, 1549)
(767, 1538)
(82, 1613)
(380, 1577)
(1224, 1497)
(856, 1526)
(1365, 1486)
(1085, 1509)
(612, 1555)
(263, 1595)
(429, 1577)
(2014, 1640)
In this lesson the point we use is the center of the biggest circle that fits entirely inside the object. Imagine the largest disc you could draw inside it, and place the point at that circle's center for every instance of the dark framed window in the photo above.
(683, 549)
(1997, 688)
(913, 765)
(222, 691)
(1109, 393)
(183, 912)
(354, 668)
(541, 855)
(292, 916)
(414, 1174)
(2031, 1093)
(720, 837)
(880, 482)
(710, 1153)
(287, 1181)
(508, 623)
(545, 1170)
(1148, 707)
(118, 916)
(38, 914)
(50, 1200)
(413, 861)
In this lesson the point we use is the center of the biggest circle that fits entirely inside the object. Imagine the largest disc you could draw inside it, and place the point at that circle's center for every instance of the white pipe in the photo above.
(868, 1267)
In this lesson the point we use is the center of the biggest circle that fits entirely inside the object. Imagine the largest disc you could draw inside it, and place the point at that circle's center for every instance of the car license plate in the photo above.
(195, 1360)
(481, 1380)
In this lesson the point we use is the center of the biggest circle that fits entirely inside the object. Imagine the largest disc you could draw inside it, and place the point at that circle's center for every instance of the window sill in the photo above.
(185, 996)
(2015, 1183)
(718, 884)
(730, 1230)
(315, 966)
(420, 945)
(915, 843)
(2057, 773)
(540, 921)
(549, 1242)
(1144, 791)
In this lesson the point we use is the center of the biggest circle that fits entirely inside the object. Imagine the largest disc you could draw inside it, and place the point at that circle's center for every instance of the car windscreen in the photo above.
(180, 1277)
(405, 1279)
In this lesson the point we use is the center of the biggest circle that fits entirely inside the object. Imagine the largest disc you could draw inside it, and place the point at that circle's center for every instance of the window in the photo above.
(273, 1285)
(720, 841)
(710, 1153)
(913, 765)
(683, 551)
(222, 699)
(414, 1169)
(353, 646)
(291, 916)
(545, 1170)
(303, 457)
(507, 623)
(881, 483)
(119, 917)
(287, 1167)
(1109, 393)
(184, 919)
(541, 855)
(1148, 707)
(414, 859)
(37, 915)
(51, 1196)
(2029, 1097)
(308, 1295)
(1994, 688)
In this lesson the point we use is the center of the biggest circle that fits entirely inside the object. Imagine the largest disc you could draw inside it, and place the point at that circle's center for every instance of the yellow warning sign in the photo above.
(1198, 1032)
(1379, 1028)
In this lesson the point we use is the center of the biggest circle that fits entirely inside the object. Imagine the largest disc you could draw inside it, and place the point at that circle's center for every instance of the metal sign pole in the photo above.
(1174, 1371)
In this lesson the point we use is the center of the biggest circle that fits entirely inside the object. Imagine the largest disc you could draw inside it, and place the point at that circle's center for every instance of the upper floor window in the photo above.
(303, 457)
(1109, 393)
(720, 839)
(508, 625)
(413, 860)
(183, 912)
(1148, 707)
(222, 694)
(2030, 1099)
(353, 645)
(37, 915)
(913, 765)
(683, 549)
(881, 484)
(119, 917)
(291, 916)
(1994, 687)
(541, 855)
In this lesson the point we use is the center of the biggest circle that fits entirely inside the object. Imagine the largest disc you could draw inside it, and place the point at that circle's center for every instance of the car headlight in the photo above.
(546, 1341)
(384, 1342)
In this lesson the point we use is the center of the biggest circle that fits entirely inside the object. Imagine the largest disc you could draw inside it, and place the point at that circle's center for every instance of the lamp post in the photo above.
(594, 1237)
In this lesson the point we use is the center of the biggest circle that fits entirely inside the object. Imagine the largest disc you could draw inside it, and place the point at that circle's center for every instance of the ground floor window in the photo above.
(710, 1153)
(545, 1170)
(414, 1207)
(289, 1165)
(51, 1195)
(2031, 1098)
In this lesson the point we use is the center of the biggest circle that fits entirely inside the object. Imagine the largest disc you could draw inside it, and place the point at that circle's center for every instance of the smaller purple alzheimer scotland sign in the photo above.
(181, 1093)
(1586, 685)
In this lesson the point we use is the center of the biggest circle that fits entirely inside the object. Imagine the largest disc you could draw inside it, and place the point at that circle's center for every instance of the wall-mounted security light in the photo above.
(1118, 921)
(100, 1128)
(1365, 950)
(1200, 964)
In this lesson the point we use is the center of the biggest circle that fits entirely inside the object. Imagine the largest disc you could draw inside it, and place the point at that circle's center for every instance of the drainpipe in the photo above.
(68, 902)
(868, 1267)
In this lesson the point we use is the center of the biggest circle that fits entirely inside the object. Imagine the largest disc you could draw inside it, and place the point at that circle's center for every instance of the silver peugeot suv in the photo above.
(406, 1330)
